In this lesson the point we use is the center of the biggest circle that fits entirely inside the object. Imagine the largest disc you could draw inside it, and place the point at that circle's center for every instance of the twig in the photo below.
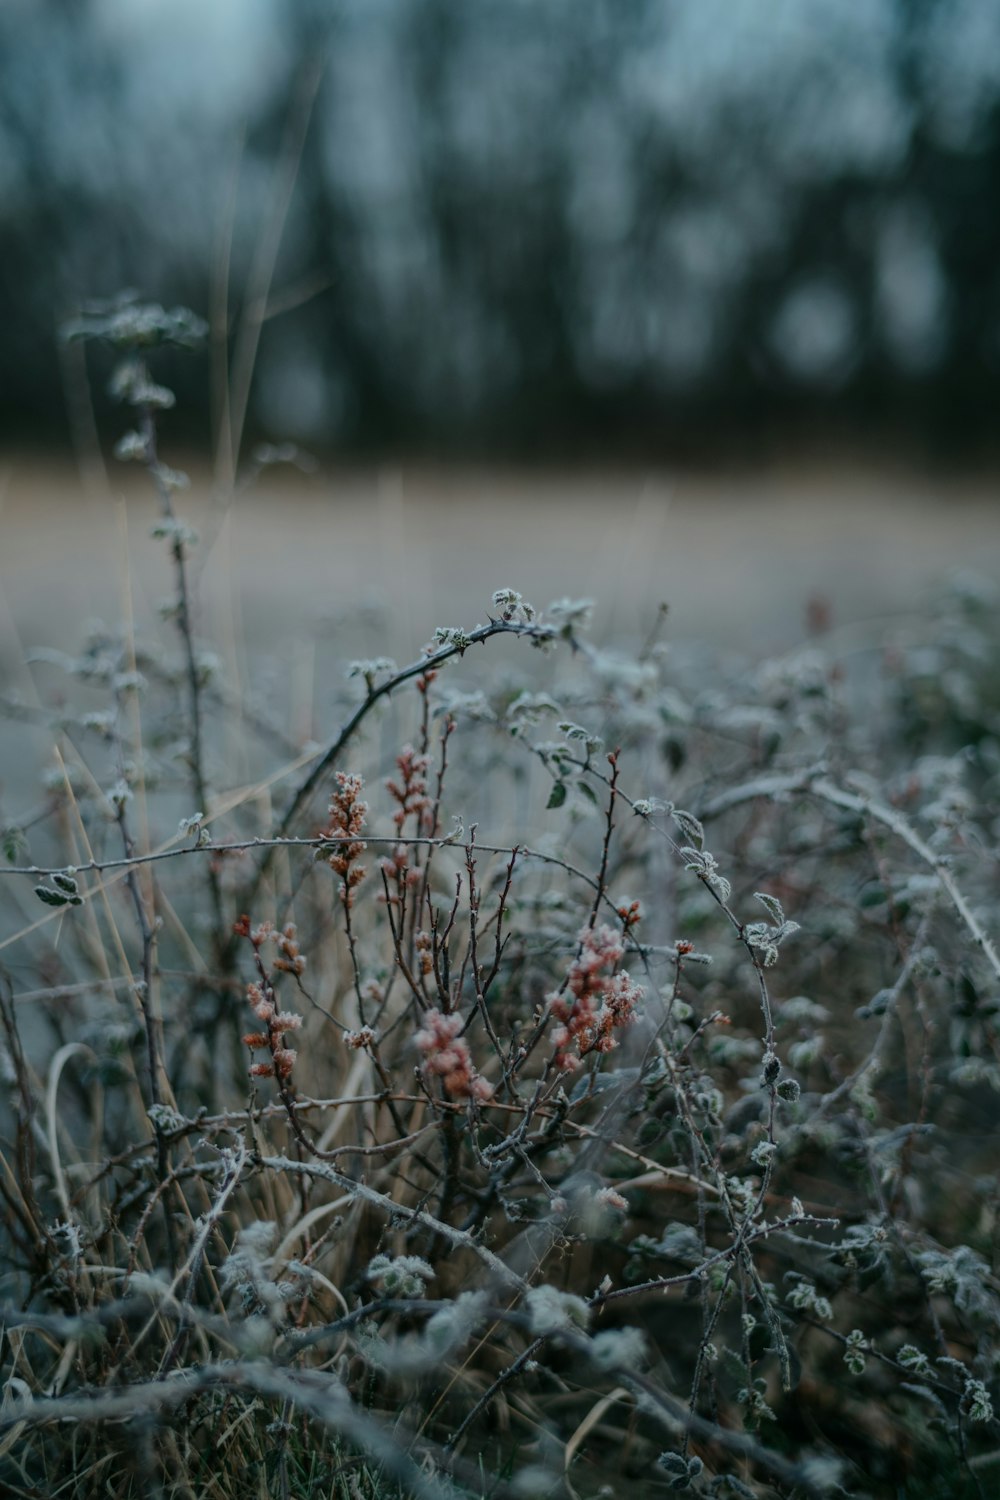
(459, 1238)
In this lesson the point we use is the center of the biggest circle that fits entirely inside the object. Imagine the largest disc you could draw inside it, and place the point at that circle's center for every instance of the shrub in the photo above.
(603, 1089)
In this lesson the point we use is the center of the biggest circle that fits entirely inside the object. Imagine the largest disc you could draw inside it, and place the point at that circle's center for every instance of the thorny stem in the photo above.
(355, 964)
(240, 846)
(870, 807)
(458, 1238)
(872, 1062)
(434, 821)
(816, 783)
(505, 1377)
(609, 824)
(144, 988)
(474, 964)
(401, 964)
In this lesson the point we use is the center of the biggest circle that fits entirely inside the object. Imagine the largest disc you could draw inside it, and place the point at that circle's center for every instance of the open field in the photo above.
(298, 574)
(737, 557)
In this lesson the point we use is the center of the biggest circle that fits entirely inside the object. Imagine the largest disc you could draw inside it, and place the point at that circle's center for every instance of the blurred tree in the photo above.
(525, 225)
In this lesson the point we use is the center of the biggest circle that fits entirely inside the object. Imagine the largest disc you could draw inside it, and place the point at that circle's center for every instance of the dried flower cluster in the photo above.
(347, 819)
(447, 1056)
(410, 795)
(363, 1038)
(598, 1003)
(276, 1023)
(290, 960)
(410, 792)
(424, 944)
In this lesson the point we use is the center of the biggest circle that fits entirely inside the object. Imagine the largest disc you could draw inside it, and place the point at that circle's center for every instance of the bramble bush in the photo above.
(596, 1086)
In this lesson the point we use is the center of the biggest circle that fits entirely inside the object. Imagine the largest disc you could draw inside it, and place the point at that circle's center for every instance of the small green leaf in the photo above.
(50, 897)
(557, 796)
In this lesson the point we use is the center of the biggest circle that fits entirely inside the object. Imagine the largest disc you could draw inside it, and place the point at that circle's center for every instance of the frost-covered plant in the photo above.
(619, 1176)
(400, 1275)
(599, 1001)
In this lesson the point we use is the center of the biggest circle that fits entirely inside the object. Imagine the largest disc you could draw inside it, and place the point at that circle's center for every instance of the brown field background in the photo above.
(297, 574)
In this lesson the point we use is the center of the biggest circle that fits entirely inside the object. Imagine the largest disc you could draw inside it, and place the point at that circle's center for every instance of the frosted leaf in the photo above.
(528, 708)
(552, 1311)
(512, 606)
(682, 1471)
(805, 1297)
(855, 1357)
(400, 1276)
(131, 447)
(451, 635)
(706, 866)
(976, 1403)
(165, 1119)
(772, 905)
(914, 1360)
(591, 742)
(689, 826)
